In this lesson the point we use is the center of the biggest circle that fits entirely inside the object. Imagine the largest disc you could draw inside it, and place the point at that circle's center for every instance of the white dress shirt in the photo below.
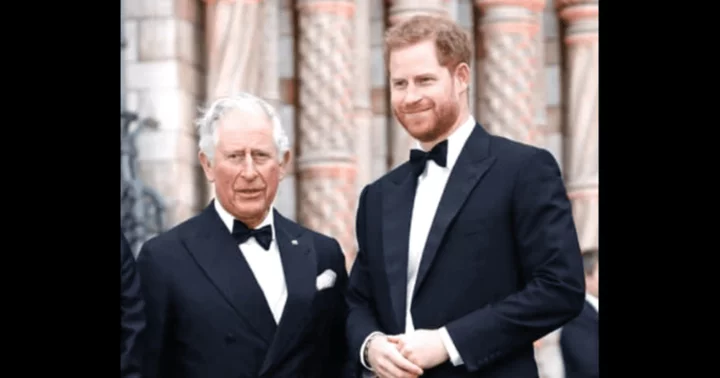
(430, 186)
(265, 265)
(593, 300)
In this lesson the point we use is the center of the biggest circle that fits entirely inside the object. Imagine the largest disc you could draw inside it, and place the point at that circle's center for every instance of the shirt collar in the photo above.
(456, 141)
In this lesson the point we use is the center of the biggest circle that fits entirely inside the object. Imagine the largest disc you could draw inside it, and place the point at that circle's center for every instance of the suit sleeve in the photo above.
(156, 293)
(549, 256)
(132, 315)
(361, 320)
(580, 348)
(334, 363)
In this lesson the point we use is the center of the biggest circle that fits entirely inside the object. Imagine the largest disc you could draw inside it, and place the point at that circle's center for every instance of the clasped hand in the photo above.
(406, 355)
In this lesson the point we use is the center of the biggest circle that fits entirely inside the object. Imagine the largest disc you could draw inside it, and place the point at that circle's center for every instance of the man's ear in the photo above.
(462, 77)
(284, 164)
(207, 166)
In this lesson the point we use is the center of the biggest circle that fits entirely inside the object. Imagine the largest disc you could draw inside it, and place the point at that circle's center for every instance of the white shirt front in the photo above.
(430, 187)
(265, 265)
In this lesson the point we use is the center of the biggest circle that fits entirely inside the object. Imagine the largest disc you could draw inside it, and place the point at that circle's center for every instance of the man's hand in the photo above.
(387, 361)
(423, 347)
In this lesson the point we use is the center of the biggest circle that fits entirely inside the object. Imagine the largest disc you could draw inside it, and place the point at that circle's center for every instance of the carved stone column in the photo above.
(381, 117)
(581, 145)
(234, 31)
(509, 69)
(269, 72)
(400, 141)
(326, 164)
(362, 93)
(539, 106)
(269, 90)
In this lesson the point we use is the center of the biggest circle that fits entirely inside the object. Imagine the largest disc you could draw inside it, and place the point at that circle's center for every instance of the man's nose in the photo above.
(411, 95)
(249, 170)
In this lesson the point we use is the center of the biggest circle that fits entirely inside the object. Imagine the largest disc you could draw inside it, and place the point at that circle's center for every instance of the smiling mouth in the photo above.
(416, 111)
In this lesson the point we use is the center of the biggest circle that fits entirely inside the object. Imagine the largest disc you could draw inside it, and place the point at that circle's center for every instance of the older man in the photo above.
(239, 290)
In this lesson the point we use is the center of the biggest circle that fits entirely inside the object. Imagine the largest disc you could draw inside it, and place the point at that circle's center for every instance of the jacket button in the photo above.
(229, 338)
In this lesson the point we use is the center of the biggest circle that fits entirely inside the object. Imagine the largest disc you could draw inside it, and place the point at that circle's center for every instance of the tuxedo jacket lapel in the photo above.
(397, 205)
(299, 263)
(218, 255)
(472, 164)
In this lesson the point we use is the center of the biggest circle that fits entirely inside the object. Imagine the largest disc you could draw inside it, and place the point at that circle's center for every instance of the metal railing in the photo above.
(141, 207)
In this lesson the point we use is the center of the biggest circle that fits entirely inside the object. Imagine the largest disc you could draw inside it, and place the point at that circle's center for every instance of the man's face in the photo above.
(425, 96)
(245, 169)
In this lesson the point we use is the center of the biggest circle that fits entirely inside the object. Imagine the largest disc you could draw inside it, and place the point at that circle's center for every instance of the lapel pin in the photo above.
(294, 242)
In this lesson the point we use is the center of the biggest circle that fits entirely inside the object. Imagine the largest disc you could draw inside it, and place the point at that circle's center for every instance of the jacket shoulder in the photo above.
(167, 241)
(396, 174)
(325, 242)
(515, 153)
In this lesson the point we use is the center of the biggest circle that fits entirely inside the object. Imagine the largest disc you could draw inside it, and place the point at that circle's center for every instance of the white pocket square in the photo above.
(325, 280)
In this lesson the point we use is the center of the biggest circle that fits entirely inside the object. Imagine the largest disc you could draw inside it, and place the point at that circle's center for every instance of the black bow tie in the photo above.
(262, 235)
(419, 158)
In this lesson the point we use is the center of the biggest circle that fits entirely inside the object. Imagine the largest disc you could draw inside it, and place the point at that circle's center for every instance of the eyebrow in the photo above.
(252, 150)
(426, 75)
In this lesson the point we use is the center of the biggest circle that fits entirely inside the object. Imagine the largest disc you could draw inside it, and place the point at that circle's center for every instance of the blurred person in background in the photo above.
(239, 290)
(132, 315)
(579, 338)
(468, 251)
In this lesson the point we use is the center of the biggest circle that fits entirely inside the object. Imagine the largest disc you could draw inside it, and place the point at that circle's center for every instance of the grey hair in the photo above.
(207, 122)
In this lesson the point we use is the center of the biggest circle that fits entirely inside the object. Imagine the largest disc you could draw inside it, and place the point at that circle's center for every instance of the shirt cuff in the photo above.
(455, 358)
(362, 348)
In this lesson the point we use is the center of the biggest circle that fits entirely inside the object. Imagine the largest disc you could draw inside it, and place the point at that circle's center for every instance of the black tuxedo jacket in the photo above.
(208, 318)
(579, 345)
(132, 315)
(500, 269)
